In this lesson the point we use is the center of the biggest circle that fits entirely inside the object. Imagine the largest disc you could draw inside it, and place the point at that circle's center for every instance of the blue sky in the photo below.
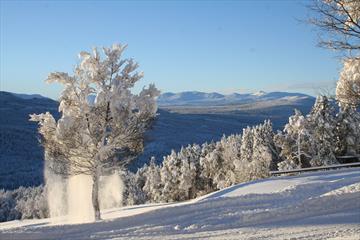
(223, 46)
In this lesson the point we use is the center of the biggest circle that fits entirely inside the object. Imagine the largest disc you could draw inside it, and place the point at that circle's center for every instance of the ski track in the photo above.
(320, 205)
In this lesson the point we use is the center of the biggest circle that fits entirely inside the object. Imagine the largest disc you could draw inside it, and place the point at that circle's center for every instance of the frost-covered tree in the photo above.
(217, 167)
(339, 22)
(190, 163)
(102, 122)
(153, 184)
(294, 143)
(311, 140)
(247, 143)
(348, 132)
(210, 165)
(23, 203)
(322, 131)
(206, 183)
(348, 85)
(170, 177)
(133, 193)
(231, 154)
(257, 153)
(264, 154)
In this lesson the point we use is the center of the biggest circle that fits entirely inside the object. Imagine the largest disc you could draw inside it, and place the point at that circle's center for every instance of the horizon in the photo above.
(195, 46)
(190, 91)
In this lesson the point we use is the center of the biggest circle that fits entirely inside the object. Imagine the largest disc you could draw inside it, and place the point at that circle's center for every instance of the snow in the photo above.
(319, 205)
(194, 98)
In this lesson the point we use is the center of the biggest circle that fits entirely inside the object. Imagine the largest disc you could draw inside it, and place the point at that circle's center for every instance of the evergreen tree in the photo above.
(133, 194)
(294, 143)
(188, 173)
(170, 177)
(205, 184)
(322, 130)
(348, 132)
(263, 153)
(153, 185)
(231, 156)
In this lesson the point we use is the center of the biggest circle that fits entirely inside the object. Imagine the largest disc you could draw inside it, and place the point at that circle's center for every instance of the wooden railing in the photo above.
(300, 170)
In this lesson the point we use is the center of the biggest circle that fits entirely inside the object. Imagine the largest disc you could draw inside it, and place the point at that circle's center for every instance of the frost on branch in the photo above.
(103, 122)
(309, 140)
(348, 85)
(294, 143)
(339, 22)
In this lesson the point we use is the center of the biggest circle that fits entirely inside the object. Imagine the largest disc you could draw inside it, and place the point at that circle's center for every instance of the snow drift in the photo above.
(321, 205)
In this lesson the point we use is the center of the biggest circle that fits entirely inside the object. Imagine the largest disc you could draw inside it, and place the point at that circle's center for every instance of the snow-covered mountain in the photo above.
(206, 99)
(320, 205)
(28, 96)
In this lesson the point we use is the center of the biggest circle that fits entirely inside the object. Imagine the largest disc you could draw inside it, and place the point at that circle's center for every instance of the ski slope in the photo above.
(320, 205)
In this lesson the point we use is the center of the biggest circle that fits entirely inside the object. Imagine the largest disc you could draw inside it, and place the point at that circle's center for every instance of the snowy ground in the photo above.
(321, 205)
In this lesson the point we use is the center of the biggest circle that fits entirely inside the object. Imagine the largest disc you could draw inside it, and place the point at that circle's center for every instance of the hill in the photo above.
(21, 157)
(178, 125)
(320, 205)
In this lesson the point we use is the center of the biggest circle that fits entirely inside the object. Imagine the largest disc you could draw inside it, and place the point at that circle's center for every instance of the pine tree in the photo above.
(211, 166)
(348, 131)
(322, 128)
(188, 173)
(153, 185)
(205, 183)
(231, 146)
(133, 194)
(293, 142)
(170, 173)
(264, 153)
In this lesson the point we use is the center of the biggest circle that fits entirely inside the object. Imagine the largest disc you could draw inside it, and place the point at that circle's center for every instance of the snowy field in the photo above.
(321, 205)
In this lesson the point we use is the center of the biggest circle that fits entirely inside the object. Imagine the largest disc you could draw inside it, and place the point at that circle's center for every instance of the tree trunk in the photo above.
(95, 197)
(299, 149)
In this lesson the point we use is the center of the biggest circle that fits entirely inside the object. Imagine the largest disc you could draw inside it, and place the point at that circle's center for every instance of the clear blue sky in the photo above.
(223, 46)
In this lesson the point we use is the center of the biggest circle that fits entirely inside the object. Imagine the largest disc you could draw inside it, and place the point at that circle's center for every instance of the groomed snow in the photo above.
(320, 205)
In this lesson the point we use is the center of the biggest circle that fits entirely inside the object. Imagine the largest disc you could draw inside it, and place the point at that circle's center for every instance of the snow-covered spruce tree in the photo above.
(153, 184)
(94, 135)
(348, 132)
(247, 143)
(190, 164)
(133, 193)
(264, 154)
(348, 85)
(218, 166)
(246, 155)
(205, 182)
(322, 131)
(170, 177)
(23, 203)
(188, 174)
(212, 168)
(232, 148)
(294, 143)
(257, 153)
(231, 152)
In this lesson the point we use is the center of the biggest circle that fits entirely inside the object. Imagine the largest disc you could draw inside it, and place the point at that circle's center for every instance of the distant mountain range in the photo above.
(28, 96)
(184, 118)
(192, 98)
(205, 99)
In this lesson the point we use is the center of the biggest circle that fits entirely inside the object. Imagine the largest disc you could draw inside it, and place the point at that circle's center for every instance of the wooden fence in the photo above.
(311, 169)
